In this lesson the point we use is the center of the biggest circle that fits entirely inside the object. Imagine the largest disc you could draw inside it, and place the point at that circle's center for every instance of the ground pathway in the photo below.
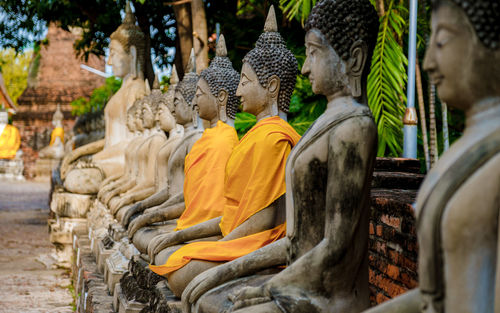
(28, 283)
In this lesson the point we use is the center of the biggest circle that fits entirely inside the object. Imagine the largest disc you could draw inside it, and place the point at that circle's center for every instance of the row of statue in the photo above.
(220, 217)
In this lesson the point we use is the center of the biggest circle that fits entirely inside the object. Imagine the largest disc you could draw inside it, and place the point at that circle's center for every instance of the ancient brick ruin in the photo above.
(54, 77)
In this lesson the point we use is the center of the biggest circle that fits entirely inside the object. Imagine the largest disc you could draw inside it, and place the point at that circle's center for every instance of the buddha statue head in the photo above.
(138, 115)
(184, 110)
(340, 37)
(131, 125)
(164, 117)
(268, 74)
(463, 57)
(57, 117)
(151, 103)
(127, 48)
(216, 89)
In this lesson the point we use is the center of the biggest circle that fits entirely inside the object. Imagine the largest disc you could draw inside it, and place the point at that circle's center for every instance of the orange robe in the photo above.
(10, 141)
(255, 178)
(204, 170)
(57, 132)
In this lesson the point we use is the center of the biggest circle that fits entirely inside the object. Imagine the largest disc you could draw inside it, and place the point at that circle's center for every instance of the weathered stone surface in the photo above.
(66, 204)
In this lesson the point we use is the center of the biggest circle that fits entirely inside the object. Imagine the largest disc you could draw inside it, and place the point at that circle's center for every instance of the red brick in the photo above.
(379, 230)
(392, 221)
(380, 297)
(372, 230)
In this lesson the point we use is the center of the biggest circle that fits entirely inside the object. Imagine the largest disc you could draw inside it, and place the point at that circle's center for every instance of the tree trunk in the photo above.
(434, 153)
(423, 123)
(200, 34)
(145, 26)
(380, 8)
(184, 35)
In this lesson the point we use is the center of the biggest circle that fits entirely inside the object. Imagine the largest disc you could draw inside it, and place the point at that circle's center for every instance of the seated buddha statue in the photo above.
(127, 56)
(10, 140)
(134, 124)
(255, 172)
(205, 164)
(144, 183)
(457, 205)
(55, 149)
(187, 116)
(328, 178)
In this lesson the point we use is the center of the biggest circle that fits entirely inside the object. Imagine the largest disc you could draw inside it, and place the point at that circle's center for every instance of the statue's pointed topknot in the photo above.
(156, 83)
(129, 16)
(271, 24)
(174, 78)
(191, 67)
(221, 50)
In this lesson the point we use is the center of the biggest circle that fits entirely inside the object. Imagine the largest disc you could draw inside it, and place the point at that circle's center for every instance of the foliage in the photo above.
(387, 80)
(98, 99)
(298, 9)
(14, 68)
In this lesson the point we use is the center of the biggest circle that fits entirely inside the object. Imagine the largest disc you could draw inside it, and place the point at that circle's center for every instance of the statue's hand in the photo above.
(130, 212)
(202, 283)
(162, 242)
(249, 296)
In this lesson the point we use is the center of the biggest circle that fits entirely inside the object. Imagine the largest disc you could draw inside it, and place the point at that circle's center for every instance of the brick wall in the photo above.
(393, 243)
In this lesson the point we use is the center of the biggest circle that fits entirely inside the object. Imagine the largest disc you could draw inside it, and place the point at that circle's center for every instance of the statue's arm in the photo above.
(260, 221)
(266, 257)
(155, 216)
(174, 199)
(90, 148)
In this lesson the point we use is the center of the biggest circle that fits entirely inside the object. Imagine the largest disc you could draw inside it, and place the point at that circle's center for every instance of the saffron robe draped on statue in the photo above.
(10, 141)
(57, 132)
(255, 178)
(204, 170)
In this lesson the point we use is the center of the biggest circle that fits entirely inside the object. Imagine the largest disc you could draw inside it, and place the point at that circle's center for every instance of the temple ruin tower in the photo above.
(54, 77)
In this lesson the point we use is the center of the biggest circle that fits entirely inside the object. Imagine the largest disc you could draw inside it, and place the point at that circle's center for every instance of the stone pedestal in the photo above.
(117, 264)
(12, 170)
(122, 305)
(65, 204)
(61, 235)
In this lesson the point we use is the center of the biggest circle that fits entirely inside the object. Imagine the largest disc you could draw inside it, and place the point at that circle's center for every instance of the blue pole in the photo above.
(410, 118)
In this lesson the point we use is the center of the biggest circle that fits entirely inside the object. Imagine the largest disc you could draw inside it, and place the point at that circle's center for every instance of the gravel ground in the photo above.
(28, 283)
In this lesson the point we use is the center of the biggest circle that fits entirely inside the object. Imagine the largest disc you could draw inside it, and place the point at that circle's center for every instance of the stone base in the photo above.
(65, 204)
(117, 264)
(98, 218)
(122, 305)
(61, 232)
(44, 167)
(11, 170)
(103, 254)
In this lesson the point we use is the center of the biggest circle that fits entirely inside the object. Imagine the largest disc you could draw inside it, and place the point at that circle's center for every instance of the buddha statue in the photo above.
(134, 124)
(55, 149)
(10, 140)
(254, 185)
(328, 179)
(457, 204)
(185, 115)
(144, 183)
(205, 164)
(127, 56)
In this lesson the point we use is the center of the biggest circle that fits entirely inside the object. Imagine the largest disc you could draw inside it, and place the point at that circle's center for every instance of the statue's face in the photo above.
(119, 59)
(324, 67)
(147, 115)
(462, 68)
(130, 122)
(254, 97)
(138, 118)
(207, 103)
(165, 118)
(183, 113)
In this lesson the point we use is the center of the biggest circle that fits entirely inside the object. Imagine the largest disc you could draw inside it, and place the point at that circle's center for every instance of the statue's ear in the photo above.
(356, 65)
(133, 61)
(273, 86)
(222, 97)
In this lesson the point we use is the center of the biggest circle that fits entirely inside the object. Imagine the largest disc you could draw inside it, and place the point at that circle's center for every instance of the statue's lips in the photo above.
(436, 80)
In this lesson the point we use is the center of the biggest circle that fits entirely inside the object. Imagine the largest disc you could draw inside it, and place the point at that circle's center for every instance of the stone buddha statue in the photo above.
(328, 178)
(144, 184)
(55, 149)
(134, 124)
(254, 185)
(127, 56)
(204, 167)
(10, 140)
(457, 205)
